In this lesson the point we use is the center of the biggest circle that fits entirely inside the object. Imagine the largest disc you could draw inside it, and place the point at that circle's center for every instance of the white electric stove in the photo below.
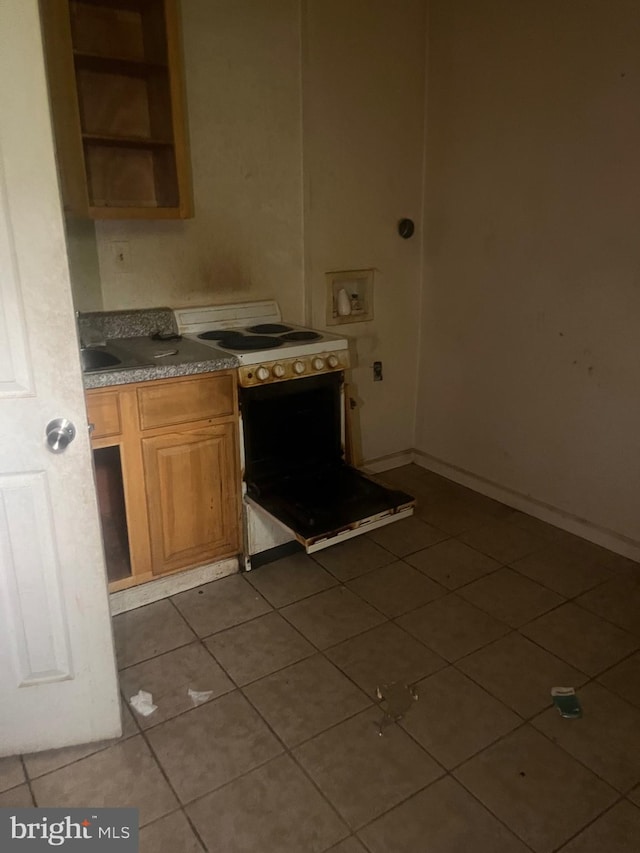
(296, 483)
(256, 335)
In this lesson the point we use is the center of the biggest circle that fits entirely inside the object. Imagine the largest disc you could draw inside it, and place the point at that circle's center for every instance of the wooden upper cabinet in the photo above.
(115, 82)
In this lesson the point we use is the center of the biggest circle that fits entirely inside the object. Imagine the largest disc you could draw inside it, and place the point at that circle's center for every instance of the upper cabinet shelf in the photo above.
(116, 65)
(115, 81)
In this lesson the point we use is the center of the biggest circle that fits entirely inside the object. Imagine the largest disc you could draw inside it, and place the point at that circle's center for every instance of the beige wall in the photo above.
(84, 267)
(242, 72)
(363, 84)
(529, 366)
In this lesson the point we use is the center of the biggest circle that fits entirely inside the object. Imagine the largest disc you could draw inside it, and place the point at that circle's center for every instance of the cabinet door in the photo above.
(192, 496)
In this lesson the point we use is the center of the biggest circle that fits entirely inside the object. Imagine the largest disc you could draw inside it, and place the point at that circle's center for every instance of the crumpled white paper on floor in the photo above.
(142, 702)
(200, 696)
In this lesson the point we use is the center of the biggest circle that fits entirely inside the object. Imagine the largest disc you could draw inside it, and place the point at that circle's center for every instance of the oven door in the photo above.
(294, 467)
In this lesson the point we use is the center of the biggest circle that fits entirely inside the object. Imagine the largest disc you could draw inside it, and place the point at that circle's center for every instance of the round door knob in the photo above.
(262, 373)
(60, 433)
(279, 371)
(318, 363)
(332, 361)
(298, 367)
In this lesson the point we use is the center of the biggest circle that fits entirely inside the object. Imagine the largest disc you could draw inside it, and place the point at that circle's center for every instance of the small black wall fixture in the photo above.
(406, 228)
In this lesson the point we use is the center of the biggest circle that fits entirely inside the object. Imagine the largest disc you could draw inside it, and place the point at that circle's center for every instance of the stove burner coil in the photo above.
(268, 328)
(305, 335)
(250, 342)
(222, 335)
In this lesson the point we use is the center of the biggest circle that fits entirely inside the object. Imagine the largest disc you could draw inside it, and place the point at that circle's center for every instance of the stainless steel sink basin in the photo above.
(98, 359)
(111, 356)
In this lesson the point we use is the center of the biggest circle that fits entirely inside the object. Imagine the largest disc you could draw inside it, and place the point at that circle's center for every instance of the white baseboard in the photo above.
(386, 463)
(545, 512)
(146, 593)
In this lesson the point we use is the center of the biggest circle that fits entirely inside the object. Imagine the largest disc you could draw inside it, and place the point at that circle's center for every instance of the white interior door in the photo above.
(57, 673)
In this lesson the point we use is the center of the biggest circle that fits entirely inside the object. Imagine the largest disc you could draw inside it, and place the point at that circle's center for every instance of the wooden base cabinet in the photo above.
(167, 474)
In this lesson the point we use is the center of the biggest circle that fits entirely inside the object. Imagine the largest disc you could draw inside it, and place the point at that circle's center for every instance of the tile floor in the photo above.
(484, 609)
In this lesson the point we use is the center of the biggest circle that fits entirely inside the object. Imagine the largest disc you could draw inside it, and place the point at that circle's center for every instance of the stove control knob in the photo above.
(298, 367)
(278, 371)
(318, 363)
(262, 373)
(333, 361)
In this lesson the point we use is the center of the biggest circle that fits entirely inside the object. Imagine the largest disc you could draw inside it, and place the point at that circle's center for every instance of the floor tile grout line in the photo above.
(490, 811)
(446, 775)
(574, 600)
(597, 678)
(291, 752)
(604, 618)
(237, 624)
(173, 790)
(27, 780)
(485, 645)
(344, 585)
(412, 609)
(485, 688)
(404, 800)
(530, 718)
(529, 722)
(238, 574)
(466, 583)
(306, 660)
(316, 734)
(285, 751)
(450, 770)
(325, 798)
(454, 592)
(621, 794)
(284, 616)
(177, 810)
(590, 677)
(373, 704)
(367, 571)
(573, 665)
(380, 625)
(586, 826)
(239, 686)
(527, 621)
(337, 582)
(355, 683)
(553, 589)
(500, 559)
(107, 746)
(192, 641)
(196, 641)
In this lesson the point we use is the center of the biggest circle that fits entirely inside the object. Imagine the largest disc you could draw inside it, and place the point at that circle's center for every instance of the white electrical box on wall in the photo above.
(349, 296)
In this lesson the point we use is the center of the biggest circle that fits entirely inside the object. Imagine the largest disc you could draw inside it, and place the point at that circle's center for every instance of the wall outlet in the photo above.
(377, 371)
